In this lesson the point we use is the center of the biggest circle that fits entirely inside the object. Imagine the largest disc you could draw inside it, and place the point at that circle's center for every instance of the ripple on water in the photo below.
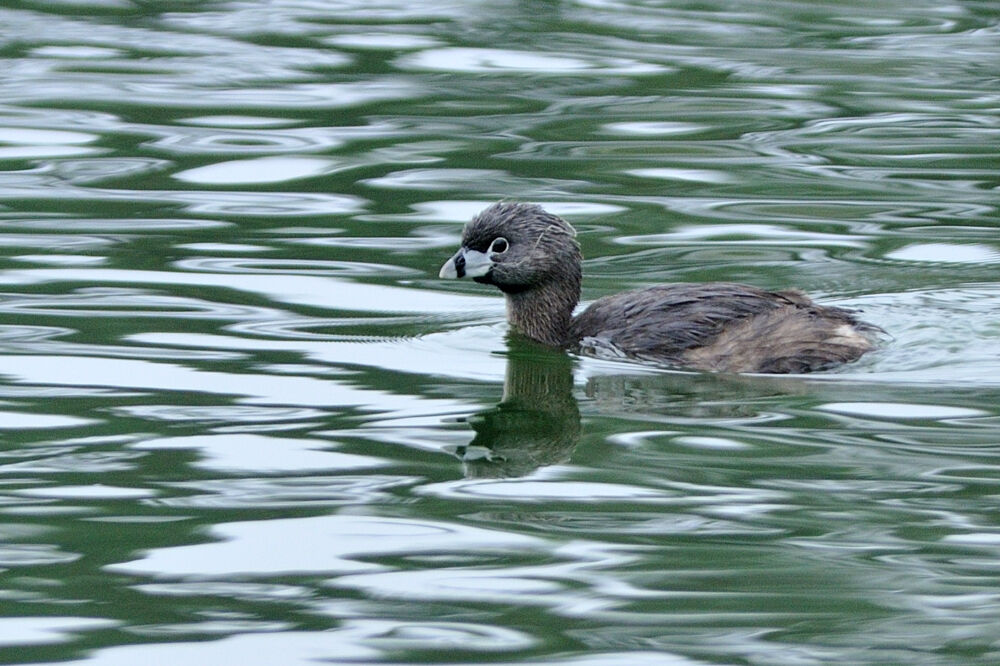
(578, 521)
(486, 585)
(462, 353)
(262, 454)
(245, 590)
(316, 329)
(653, 127)
(291, 648)
(34, 420)
(245, 203)
(63, 461)
(213, 628)
(803, 213)
(23, 136)
(313, 96)
(33, 555)
(690, 175)
(132, 225)
(96, 491)
(946, 336)
(524, 490)
(111, 302)
(422, 240)
(47, 630)
(68, 242)
(75, 52)
(383, 41)
(42, 340)
(300, 391)
(463, 210)
(294, 267)
(891, 153)
(230, 120)
(220, 413)
(287, 492)
(890, 410)
(257, 141)
(17, 143)
(96, 170)
(325, 292)
(430, 635)
(219, 202)
(323, 544)
(258, 171)
(744, 234)
(948, 253)
(465, 180)
(486, 60)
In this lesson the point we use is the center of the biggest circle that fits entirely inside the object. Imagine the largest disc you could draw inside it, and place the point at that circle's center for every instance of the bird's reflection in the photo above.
(537, 422)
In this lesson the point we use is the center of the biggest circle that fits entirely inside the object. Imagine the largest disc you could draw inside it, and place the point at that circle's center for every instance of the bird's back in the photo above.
(724, 327)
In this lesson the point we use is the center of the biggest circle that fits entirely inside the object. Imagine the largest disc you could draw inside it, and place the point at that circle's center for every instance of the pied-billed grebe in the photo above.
(533, 257)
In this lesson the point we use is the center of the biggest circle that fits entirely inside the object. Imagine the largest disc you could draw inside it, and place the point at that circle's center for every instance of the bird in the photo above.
(533, 257)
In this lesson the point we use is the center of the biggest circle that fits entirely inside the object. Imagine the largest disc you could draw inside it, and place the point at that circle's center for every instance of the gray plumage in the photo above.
(724, 327)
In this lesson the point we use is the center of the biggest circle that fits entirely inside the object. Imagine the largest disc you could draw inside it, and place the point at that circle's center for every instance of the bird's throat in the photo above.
(544, 313)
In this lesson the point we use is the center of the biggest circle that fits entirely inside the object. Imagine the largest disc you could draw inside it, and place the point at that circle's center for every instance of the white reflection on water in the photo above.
(224, 247)
(262, 454)
(494, 585)
(294, 267)
(95, 491)
(377, 41)
(256, 388)
(947, 252)
(112, 302)
(289, 648)
(287, 492)
(44, 630)
(324, 544)
(653, 128)
(237, 121)
(693, 175)
(35, 185)
(234, 415)
(888, 410)
(521, 490)
(354, 641)
(328, 293)
(97, 224)
(565, 582)
(61, 259)
(75, 52)
(462, 210)
(262, 170)
(459, 59)
(744, 234)
(31, 421)
(43, 137)
(77, 242)
(464, 353)
(197, 141)
(44, 150)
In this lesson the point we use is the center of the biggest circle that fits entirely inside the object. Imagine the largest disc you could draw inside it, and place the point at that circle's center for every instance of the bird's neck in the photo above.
(544, 313)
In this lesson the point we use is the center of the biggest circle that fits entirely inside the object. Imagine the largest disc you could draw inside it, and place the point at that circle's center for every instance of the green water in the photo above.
(243, 422)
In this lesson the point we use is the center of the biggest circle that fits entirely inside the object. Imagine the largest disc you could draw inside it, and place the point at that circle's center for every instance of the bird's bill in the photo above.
(466, 263)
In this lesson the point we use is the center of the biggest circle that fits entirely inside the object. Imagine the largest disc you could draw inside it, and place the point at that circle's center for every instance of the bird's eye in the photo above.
(499, 246)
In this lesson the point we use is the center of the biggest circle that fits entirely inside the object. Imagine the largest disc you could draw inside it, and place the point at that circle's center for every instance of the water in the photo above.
(244, 422)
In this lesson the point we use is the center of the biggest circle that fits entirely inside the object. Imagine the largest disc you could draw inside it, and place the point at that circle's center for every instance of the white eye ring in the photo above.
(499, 245)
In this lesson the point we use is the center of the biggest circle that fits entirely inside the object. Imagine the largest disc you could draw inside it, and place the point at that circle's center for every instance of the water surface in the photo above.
(243, 420)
